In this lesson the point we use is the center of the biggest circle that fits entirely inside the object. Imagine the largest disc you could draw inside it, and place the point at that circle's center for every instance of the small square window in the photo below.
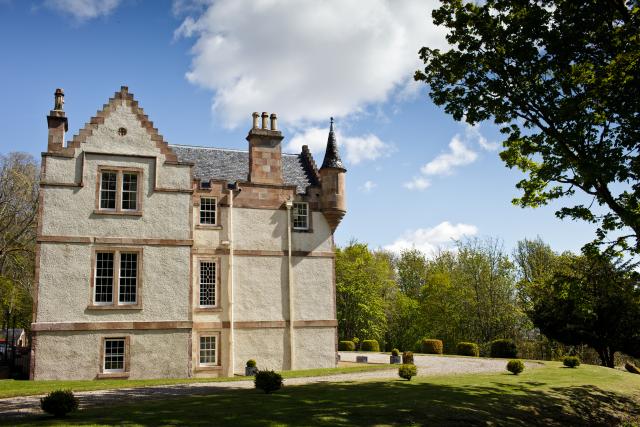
(114, 355)
(300, 214)
(208, 355)
(207, 211)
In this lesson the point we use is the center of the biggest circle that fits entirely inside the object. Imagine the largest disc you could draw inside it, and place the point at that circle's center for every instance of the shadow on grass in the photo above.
(388, 402)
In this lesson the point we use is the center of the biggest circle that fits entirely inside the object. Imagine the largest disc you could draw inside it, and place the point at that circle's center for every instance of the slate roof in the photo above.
(233, 165)
(331, 155)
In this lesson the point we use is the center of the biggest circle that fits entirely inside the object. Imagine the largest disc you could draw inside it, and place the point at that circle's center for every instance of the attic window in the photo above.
(122, 131)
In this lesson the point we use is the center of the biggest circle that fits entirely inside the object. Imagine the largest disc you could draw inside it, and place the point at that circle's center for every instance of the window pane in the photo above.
(114, 354)
(104, 277)
(128, 278)
(207, 210)
(129, 191)
(108, 190)
(300, 213)
(207, 283)
(208, 350)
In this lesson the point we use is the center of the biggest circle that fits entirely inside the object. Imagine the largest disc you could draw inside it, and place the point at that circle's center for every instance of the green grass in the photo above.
(13, 388)
(547, 396)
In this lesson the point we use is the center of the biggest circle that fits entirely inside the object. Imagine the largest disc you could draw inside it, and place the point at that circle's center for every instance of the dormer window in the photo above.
(119, 191)
(300, 214)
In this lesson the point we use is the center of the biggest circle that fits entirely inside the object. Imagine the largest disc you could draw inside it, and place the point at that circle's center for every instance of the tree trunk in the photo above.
(607, 357)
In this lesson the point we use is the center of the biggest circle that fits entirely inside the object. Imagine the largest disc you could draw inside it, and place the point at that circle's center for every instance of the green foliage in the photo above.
(467, 349)
(395, 352)
(560, 79)
(407, 358)
(251, 363)
(268, 381)
(431, 346)
(503, 348)
(515, 366)
(59, 403)
(591, 299)
(346, 346)
(370, 345)
(407, 371)
(571, 361)
(411, 266)
(356, 341)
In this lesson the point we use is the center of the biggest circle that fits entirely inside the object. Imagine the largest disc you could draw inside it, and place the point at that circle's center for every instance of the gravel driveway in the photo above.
(427, 365)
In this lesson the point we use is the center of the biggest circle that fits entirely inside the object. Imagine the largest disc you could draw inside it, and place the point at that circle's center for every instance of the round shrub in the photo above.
(407, 358)
(430, 346)
(356, 341)
(251, 363)
(571, 361)
(467, 349)
(268, 381)
(395, 352)
(515, 366)
(503, 348)
(407, 371)
(59, 403)
(370, 345)
(346, 346)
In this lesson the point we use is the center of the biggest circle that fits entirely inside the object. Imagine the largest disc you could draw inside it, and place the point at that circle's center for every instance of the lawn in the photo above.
(13, 388)
(548, 396)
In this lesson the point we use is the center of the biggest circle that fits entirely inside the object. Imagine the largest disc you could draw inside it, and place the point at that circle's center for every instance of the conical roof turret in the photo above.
(331, 154)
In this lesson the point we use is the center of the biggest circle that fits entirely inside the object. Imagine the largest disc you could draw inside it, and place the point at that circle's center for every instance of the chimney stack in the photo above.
(57, 123)
(265, 153)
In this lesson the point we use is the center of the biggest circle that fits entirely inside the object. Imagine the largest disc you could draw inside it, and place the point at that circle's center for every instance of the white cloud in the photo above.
(83, 10)
(368, 186)
(459, 155)
(354, 149)
(417, 183)
(473, 132)
(306, 59)
(428, 240)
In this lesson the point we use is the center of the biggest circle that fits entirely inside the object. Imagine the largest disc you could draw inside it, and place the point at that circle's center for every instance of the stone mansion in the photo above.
(156, 260)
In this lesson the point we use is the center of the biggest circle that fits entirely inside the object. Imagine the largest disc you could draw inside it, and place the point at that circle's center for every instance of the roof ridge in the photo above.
(204, 147)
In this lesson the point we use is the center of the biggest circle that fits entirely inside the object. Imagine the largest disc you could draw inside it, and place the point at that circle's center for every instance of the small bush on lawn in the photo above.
(571, 361)
(346, 346)
(515, 366)
(268, 381)
(356, 341)
(430, 346)
(467, 349)
(407, 371)
(251, 363)
(59, 403)
(395, 352)
(407, 358)
(503, 348)
(370, 345)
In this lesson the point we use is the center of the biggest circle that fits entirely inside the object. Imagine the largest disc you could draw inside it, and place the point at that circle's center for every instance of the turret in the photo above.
(332, 180)
(57, 123)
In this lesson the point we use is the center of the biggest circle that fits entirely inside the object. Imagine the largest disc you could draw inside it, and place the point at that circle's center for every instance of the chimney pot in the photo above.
(58, 100)
(265, 116)
(255, 116)
(274, 121)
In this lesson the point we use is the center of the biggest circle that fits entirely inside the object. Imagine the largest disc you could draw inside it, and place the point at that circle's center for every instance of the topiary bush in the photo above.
(515, 366)
(370, 345)
(503, 348)
(467, 349)
(571, 361)
(407, 371)
(407, 358)
(251, 363)
(395, 352)
(346, 346)
(59, 403)
(356, 341)
(268, 381)
(431, 346)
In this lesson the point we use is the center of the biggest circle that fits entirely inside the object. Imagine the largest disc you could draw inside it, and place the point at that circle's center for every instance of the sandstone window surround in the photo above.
(208, 280)
(300, 216)
(115, 357)
(119, 191)
(116, 279)
(208, 355)
(208, 215)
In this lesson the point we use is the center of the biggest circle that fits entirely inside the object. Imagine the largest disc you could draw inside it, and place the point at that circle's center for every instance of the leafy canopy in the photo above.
(561, 78)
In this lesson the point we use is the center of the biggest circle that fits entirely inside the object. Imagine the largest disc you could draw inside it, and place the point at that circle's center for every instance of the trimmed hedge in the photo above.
(395, 352)
(268, 381)
(467, 349)
(251, 363)
(407, 358)
(503, 348)
(59, 403)
(431, 346)
(346, 346)
(571, 361)
(515, 366)
(370, 345)
(407, 371)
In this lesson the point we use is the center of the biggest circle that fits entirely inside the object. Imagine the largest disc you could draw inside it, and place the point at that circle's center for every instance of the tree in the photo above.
(594, 300)
(561, 79)
(411, 268)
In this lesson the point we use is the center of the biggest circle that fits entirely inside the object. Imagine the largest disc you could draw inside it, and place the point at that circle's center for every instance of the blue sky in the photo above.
(199, 68)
